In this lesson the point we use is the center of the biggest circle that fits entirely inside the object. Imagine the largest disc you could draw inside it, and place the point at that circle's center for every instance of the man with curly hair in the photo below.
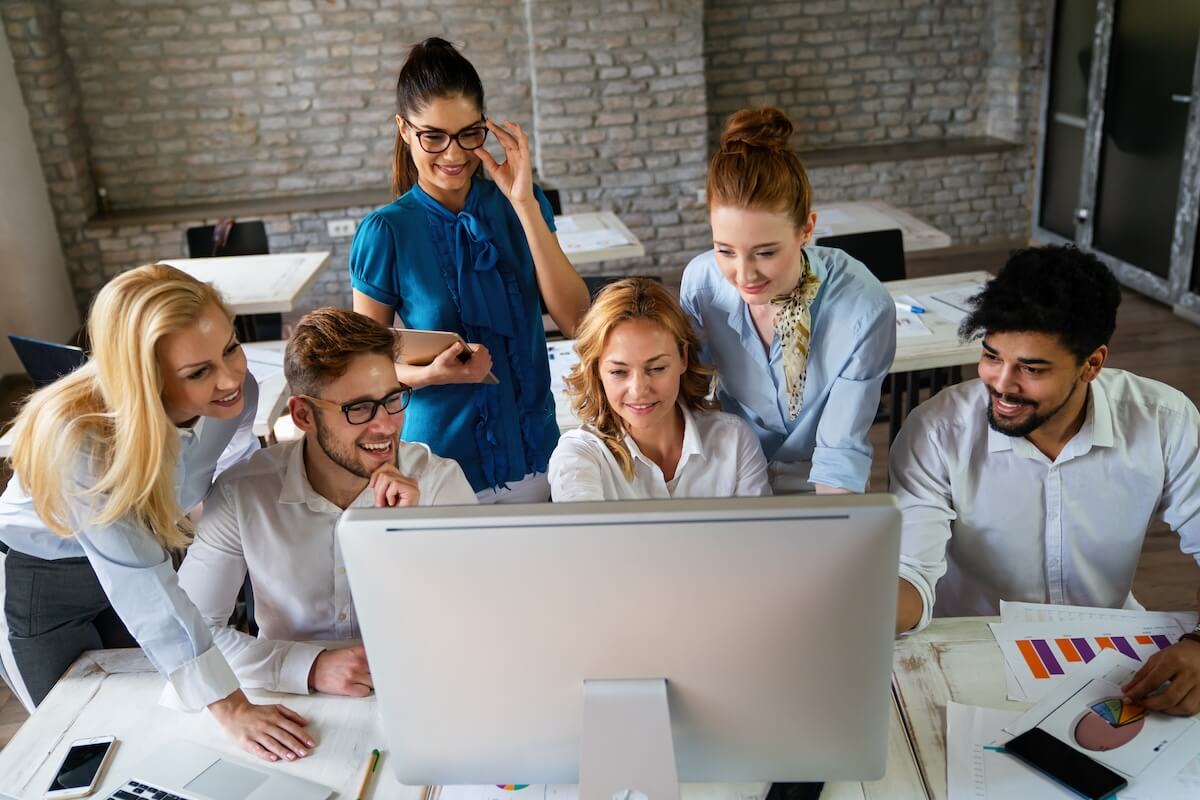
(1036, 482)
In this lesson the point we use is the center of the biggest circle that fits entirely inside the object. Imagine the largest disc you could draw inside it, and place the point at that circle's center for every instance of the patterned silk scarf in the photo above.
(793, 328)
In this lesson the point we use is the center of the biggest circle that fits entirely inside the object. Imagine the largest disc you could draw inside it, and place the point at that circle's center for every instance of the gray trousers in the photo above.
(54, 610)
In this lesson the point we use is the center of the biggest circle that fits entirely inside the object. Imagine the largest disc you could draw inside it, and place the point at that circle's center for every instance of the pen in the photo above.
(909, 307)
(372, 760)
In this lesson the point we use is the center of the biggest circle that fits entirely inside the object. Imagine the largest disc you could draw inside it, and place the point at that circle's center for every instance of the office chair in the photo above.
(555, 199)
(881, 251)
(45, 362)
(230, 238)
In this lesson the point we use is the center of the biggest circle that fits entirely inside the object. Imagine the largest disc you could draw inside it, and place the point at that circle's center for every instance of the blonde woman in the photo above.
(649, 431)
(105, 461)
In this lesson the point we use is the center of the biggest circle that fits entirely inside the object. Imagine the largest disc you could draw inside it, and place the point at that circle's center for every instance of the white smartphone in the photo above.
(81, 768)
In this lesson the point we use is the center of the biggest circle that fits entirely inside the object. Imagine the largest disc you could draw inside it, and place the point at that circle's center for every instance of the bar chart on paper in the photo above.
(1037, 655)
(1046, 657)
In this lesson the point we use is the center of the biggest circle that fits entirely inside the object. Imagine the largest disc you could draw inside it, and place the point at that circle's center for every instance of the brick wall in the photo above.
(171, 103)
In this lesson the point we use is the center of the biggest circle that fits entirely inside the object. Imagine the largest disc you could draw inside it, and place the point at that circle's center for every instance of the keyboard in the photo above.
(140, 791)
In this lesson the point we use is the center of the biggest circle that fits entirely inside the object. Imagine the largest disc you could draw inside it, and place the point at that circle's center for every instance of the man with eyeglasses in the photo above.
(273, 516)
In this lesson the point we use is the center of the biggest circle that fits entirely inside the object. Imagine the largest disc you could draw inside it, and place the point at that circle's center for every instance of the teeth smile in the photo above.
(377, 446)
(229, 398)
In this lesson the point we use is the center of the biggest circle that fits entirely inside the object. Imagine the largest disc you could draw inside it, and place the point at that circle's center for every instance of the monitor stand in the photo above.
(627, 746)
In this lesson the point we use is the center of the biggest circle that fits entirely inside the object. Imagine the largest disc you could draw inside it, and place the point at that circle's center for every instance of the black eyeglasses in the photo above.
(471, 138)
(363, 411)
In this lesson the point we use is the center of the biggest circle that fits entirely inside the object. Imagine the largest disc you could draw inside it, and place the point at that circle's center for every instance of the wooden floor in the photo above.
(1149, 340)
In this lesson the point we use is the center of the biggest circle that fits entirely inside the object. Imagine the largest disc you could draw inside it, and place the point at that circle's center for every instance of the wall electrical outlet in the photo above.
(341, 228)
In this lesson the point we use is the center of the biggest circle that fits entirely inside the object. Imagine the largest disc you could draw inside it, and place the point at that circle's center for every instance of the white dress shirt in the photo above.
(265, 517)
(721, 458)
(133, 568)
(987, 517)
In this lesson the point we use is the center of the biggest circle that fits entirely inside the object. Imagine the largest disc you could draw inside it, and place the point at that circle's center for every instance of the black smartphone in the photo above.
(1065, 765)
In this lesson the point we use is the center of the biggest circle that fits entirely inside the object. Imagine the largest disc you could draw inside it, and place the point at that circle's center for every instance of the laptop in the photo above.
(187, 771)
(45, 362)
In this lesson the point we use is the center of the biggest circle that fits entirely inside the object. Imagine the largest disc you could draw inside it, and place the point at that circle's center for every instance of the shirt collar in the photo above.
(1096, 431)
(297, 489)
(193, 432)
(691, 441)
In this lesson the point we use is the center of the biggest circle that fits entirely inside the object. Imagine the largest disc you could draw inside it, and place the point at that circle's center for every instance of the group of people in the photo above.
(1035, 482)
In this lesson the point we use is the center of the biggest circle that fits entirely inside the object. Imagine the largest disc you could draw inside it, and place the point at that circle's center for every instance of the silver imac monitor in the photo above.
(630, 645)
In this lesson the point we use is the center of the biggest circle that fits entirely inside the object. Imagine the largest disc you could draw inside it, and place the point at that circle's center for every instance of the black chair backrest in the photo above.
(555, 199)
(46, 362)
(245, 239)
(881, 251)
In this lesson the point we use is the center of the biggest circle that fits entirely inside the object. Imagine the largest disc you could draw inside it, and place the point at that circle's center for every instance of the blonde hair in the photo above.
(107, 417)
(630, 299)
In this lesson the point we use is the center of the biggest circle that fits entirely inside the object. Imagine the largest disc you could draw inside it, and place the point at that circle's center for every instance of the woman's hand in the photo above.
(271, 732)
(514, 177)
(448, 367)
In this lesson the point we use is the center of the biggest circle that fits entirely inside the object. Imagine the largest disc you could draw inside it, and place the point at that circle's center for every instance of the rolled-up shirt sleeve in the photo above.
(211, 575)
(842, 455)
(575, 472)
(137, 575)
(920, 481)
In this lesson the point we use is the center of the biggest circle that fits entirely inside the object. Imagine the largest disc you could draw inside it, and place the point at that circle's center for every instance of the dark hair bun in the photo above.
(765, 128)
(436, 42)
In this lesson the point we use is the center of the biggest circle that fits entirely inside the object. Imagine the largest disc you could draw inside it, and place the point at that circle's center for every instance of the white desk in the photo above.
(939, 350)
(596, 236)
(837, 219)
(266, 284)
(272, 395)
(116, 692)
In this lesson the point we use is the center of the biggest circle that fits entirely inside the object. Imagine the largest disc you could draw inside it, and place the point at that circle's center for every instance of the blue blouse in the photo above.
(853, 346)
(472, 273)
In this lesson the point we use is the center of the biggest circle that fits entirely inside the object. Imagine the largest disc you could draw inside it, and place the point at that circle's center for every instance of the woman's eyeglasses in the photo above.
(432, 142)
(363, 411)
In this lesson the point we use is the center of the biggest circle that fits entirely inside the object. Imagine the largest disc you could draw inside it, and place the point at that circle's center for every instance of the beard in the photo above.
(1027, 426)
(344, 456)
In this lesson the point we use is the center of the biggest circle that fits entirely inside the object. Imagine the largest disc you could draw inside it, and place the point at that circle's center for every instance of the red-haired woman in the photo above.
(801, 336)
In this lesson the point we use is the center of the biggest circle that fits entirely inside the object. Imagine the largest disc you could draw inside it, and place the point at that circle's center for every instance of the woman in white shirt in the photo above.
(105, 461)
(649, 430)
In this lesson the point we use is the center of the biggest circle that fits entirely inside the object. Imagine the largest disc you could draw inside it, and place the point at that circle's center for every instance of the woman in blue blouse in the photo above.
(458, 252)
(801, 336)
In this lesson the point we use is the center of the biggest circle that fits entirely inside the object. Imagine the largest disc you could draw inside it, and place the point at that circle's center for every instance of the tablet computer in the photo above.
(420, 348)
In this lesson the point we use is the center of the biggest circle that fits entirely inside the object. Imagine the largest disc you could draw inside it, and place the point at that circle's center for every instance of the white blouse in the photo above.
(721, 458)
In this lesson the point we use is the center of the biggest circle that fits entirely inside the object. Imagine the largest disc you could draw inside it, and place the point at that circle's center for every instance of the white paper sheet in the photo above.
(563, 359)
(565, 224)
(909, 323)
(951, 304)
(583, 241)
(1048, 612)
(976, 768)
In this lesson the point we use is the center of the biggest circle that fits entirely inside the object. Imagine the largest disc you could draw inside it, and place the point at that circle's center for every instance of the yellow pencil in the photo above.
(370, 768)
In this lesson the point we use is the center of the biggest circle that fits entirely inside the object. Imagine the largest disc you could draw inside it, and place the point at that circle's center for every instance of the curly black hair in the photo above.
(1058, 290)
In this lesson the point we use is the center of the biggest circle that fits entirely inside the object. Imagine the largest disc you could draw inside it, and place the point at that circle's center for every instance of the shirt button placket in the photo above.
(1054, 536)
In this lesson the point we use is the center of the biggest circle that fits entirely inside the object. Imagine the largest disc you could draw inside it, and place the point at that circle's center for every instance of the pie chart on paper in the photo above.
(1109, 724)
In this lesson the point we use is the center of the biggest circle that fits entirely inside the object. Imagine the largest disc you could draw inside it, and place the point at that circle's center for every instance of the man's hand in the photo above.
(342, 671)
(392, 488)
(1179, 664)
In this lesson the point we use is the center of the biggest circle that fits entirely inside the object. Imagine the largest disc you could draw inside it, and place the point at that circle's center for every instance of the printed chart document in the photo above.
(563, 358)
(1048, 612)
(1153, 751)
(977, 768)
(1040, 655)
(952, 304)
(538, 791)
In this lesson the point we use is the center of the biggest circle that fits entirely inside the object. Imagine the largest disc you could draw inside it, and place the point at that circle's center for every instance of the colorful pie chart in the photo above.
(1109, 724)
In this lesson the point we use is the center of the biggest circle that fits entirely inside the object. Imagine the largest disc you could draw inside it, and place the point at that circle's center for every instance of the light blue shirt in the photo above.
(853, 346)
(136, 572)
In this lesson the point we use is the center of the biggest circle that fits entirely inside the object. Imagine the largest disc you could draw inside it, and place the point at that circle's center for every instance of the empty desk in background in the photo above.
(266, 284)
(838, 219)
(116, 692)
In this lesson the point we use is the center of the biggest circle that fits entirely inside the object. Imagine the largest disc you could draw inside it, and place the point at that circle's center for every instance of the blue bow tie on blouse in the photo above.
(475, 258)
